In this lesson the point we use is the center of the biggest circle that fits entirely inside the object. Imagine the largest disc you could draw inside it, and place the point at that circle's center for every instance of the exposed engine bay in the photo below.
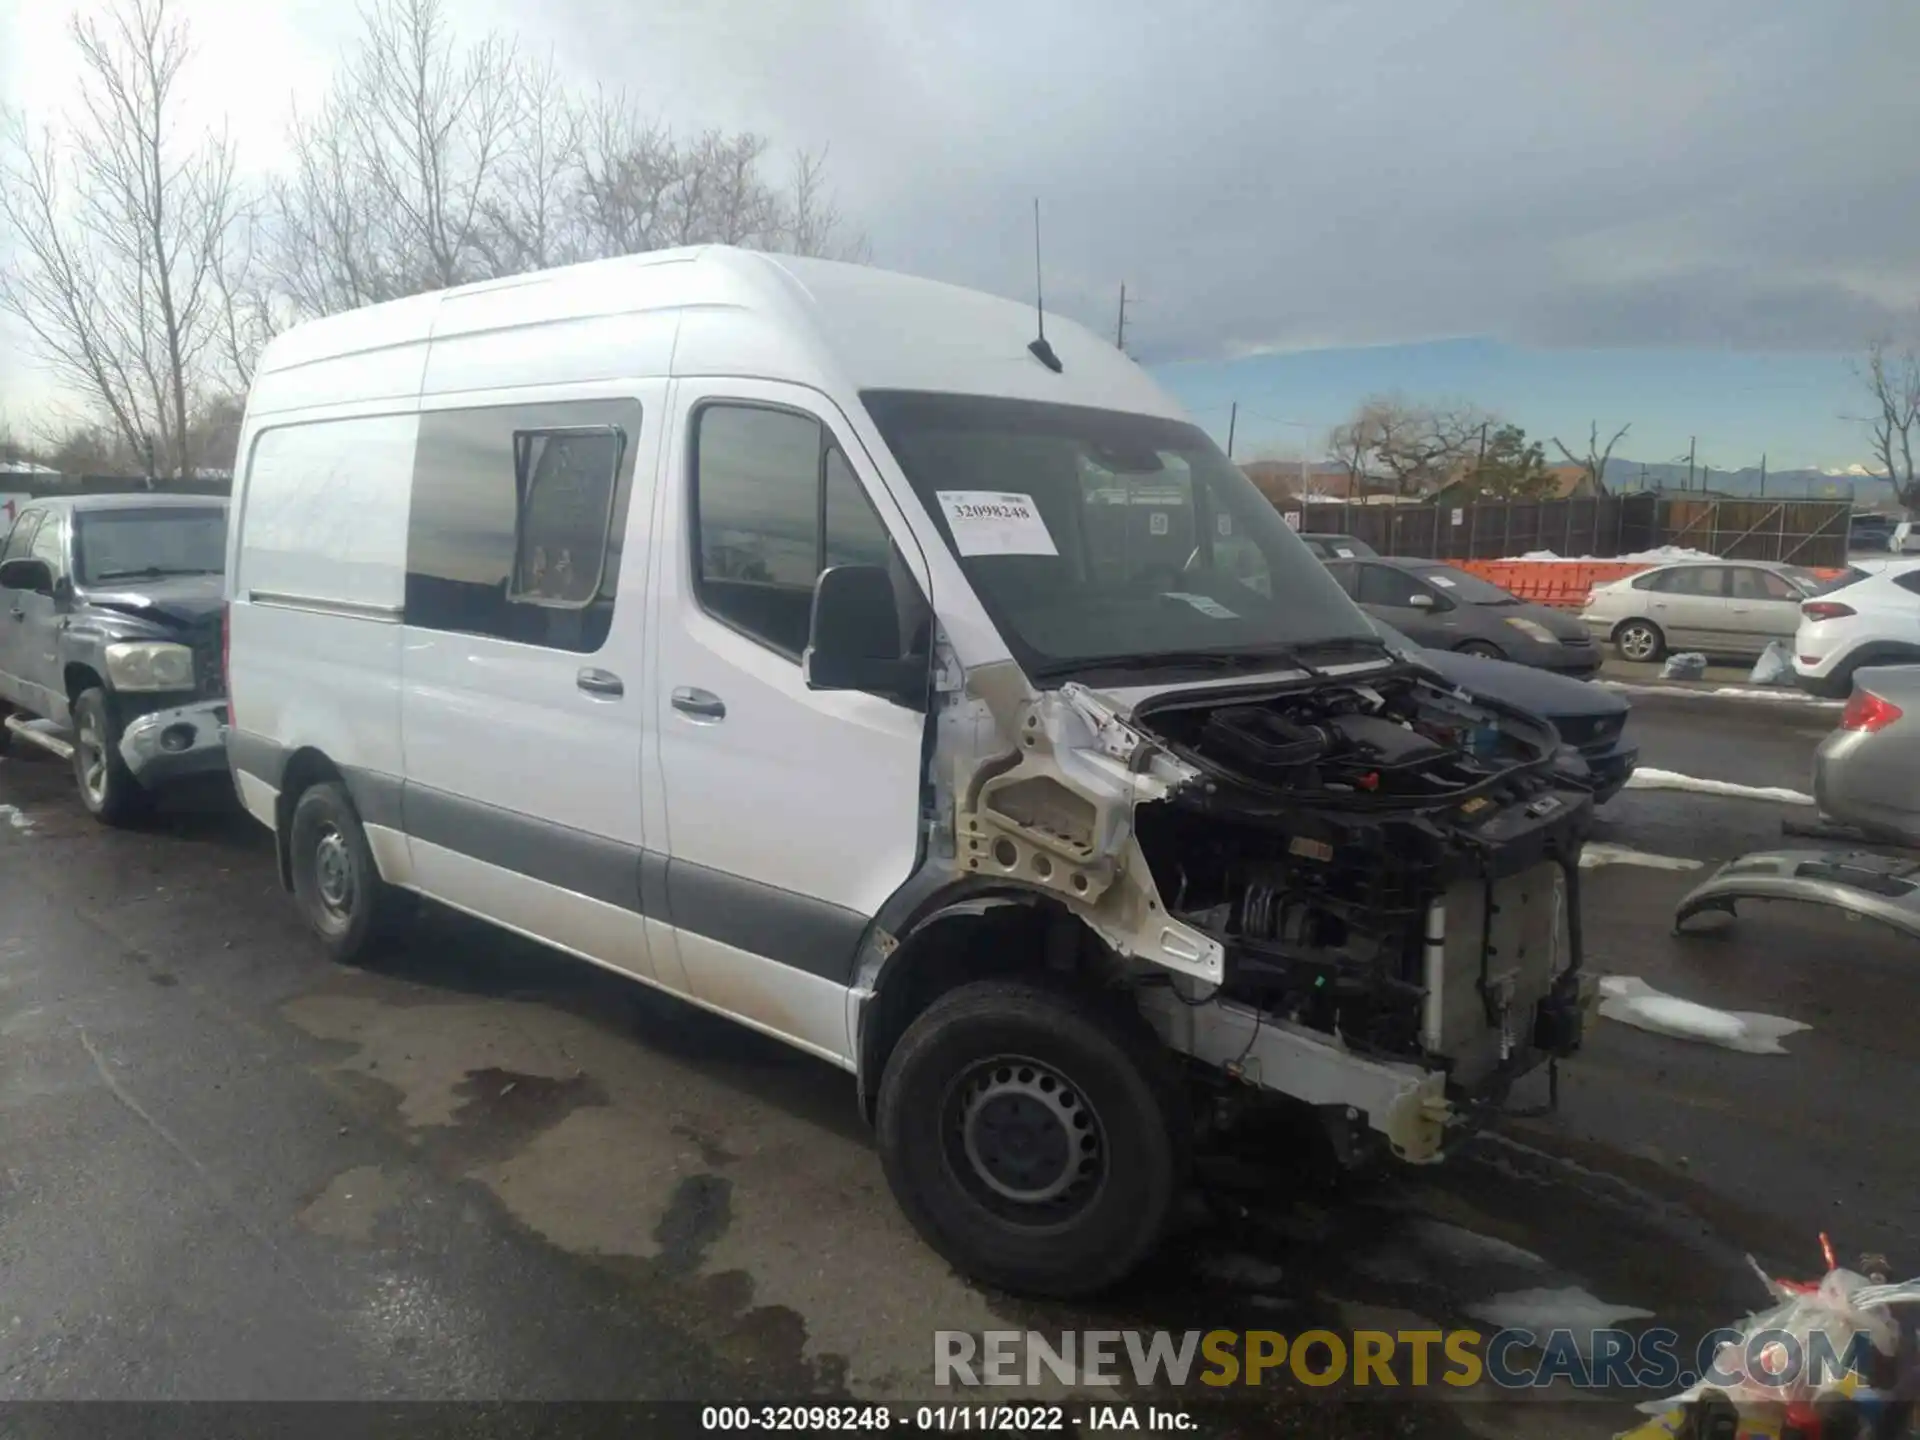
(1390, 863)
(1360, 893)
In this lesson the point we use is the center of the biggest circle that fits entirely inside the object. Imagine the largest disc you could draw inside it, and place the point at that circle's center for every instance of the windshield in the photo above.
(148, 544)
(1092, 535)
(1467, 588)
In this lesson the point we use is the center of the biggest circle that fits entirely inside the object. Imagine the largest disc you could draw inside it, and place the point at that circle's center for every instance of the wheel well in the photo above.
(1635, 620)
(305, 769)
(80, 677)
(1033, 938)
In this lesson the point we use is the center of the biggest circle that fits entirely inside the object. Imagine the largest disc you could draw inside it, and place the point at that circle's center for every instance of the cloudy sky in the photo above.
(1682, 214)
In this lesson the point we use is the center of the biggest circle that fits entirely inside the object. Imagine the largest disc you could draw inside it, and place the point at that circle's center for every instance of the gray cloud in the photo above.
(1266, 174)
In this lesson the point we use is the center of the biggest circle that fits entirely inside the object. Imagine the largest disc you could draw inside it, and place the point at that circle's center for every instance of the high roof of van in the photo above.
(708, 310)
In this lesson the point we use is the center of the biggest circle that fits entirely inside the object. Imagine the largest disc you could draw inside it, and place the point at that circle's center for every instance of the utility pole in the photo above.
(1763, 474)
(1120, 330)
(1690, 440)
(1233, 419)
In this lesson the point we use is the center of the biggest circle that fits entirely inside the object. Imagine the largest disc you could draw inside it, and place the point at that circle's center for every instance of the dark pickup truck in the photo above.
(110, 641)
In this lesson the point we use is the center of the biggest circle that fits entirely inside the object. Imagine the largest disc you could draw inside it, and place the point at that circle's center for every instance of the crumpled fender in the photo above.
(1860, 882)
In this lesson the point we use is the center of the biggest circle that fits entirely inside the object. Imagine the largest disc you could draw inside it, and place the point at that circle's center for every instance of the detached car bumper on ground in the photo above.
(186, 742)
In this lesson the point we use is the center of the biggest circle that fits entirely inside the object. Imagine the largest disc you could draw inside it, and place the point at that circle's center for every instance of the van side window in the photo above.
(515, 524)
(774, 503)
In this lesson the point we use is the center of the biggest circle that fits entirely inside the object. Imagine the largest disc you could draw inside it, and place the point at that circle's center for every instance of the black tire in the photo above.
(1018, 1084)
(1485, 649)
(1640, 641)
(6, 735)
(107, 788)
(337, 885)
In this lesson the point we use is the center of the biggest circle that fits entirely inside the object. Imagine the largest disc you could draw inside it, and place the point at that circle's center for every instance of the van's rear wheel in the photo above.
(335, 881)
(1031, 1137)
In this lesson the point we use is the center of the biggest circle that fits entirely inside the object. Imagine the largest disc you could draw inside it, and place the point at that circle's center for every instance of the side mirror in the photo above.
(1420, 600)
(27, 574)
(853, 639)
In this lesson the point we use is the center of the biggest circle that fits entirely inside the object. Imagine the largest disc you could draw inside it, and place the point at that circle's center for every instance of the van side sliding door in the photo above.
(522, 707)
(791, 814)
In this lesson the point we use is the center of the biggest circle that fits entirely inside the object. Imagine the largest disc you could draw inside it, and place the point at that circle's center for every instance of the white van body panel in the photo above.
(799, 797)
(316, 577)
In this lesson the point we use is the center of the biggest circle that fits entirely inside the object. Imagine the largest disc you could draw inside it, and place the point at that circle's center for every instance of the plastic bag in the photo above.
(1774, 667)
(1688, 665)
(1842, 1306)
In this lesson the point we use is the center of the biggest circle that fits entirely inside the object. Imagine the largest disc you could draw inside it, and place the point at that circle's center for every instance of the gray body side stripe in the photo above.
(798, 930)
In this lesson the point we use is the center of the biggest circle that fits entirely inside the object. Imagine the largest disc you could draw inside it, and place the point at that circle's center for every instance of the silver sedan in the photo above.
(1866, 774)
(1732, 607)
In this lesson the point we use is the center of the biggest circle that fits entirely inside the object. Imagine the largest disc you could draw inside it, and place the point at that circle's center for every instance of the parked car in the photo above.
(1869, 532)
(1448, 609)
(1867, 772)
(1717, 607)
(1590, 719)
(692, 613)
(1867, 618)
(1328, 546)
(110, 641)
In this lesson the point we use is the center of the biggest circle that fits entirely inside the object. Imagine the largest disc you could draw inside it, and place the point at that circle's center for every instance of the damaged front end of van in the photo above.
(1359, 895)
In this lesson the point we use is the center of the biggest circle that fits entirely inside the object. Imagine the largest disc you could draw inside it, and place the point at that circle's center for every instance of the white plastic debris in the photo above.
(1649, 778)
(1687, 665)
(1596, 853)
(1543, 1310)
(1774, 667)
(1632, 1001)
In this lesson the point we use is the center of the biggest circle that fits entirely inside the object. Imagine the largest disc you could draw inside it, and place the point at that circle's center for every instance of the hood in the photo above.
(1538, 691)
(178, 600)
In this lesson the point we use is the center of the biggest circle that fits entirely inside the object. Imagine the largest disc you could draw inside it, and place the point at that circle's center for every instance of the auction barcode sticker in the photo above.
(987, 522)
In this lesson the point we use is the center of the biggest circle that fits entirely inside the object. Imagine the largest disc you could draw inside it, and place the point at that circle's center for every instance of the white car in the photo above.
(1873, 619)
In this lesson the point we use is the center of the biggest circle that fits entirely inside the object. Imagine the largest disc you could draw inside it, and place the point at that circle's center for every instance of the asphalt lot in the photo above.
(230, 1169)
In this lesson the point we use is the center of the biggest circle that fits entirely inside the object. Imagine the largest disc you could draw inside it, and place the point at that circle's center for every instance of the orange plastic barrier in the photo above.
(1564, 584)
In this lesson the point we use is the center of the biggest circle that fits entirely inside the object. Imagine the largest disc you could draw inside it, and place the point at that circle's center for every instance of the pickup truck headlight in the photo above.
(135, 665)
(1533, 629)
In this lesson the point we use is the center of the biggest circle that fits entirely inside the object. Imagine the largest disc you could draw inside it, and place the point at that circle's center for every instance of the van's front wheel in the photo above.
(1030, 1137)
(335, 880)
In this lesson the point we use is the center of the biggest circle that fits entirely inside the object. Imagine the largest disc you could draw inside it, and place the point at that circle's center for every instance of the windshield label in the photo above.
(986, 522)
(1205, 604)
(1442, 581)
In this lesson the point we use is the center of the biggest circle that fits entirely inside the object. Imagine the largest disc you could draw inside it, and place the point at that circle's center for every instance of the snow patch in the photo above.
(1659, 555)
(1543, 1311)
(1632, 1001)
(16, 817)
(1738, 692)
(1469, 1247)
(1653, 779)
(1598, 852)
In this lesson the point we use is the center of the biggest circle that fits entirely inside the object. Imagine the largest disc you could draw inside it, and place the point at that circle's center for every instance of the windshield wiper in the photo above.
(154, 572)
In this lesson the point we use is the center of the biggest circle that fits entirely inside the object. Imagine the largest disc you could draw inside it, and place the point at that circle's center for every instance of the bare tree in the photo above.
(120, 231)
(1416, 448)
(1892, 379)
(530, 219)
(1594, 462)
(395, 173)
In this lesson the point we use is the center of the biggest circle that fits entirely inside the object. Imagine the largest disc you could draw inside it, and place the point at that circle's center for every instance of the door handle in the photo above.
(600, 682)
(699, 704)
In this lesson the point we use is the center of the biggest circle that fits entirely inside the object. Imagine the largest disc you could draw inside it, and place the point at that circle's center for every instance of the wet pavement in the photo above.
(231, 1169)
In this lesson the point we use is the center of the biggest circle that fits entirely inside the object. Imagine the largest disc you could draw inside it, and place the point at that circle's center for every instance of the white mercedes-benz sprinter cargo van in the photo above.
(823, 646)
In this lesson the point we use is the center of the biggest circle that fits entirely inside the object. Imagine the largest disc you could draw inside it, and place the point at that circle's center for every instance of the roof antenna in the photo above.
(1042, 351)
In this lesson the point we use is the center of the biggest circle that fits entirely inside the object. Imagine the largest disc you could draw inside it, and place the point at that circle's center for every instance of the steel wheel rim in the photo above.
(93, 759)
(1637, 641)
(333, 878)
(1023, 1141)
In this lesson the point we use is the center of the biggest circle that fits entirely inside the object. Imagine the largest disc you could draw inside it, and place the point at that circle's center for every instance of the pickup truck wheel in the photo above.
(1031, 1137)
(335, 881)
(107, 787)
